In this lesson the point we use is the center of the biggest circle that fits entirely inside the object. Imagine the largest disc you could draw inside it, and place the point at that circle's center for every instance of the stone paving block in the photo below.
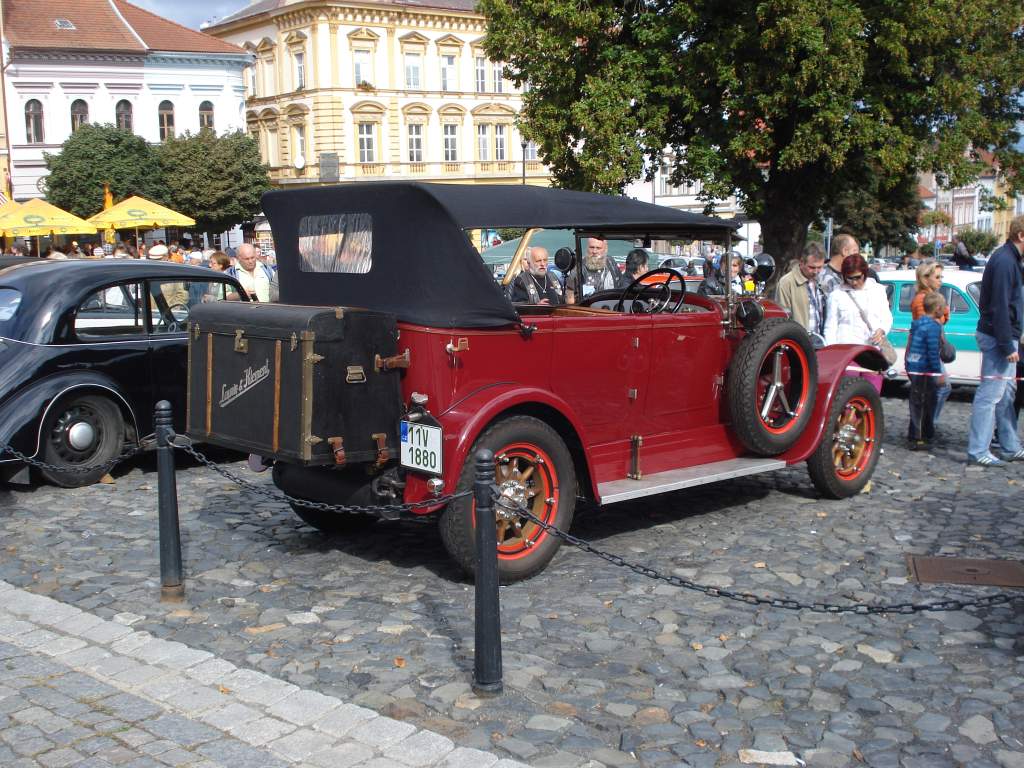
(77, 626)
(420, 749)
(129, 708)
(112, 666)
(158, 747)
(81, 687)
(139, 675)
(61, 645)
(230, 715)
(83, 657)
(344, 756)
(154, 650)
(176, 757)
(185, 657)
(266, 693)
(303, 707)
(259, 732)
(95, 744)
(134, 737)
(338, 722)
(381, 732)
(381, 762)
(104, 632)
(193, 699)
(179, 730)
(231, 752)
(464, 757)
(59, 758)
(14, 628)
(130, 642)
(35, 638)
(300, 744)
(211, 671)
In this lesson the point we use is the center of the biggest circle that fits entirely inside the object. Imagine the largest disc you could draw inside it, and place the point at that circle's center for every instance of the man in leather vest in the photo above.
(535, 285)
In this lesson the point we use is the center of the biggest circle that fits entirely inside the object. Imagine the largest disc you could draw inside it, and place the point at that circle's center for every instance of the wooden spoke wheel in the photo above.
(850, 444)
(533, 470)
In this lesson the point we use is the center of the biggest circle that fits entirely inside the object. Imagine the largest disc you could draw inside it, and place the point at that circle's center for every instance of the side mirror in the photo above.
(565, 259)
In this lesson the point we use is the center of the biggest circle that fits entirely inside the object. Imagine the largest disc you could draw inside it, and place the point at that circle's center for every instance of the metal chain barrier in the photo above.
(185, 444)
(988, 601)
(70, 470)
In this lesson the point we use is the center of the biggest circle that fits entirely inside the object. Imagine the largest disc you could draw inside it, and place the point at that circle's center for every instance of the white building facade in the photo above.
(50, 91)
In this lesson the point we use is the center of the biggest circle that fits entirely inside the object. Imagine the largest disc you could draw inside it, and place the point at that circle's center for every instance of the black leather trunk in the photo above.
(301, 384)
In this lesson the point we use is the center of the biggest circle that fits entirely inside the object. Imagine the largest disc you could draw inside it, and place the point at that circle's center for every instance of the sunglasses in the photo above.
(854, 278)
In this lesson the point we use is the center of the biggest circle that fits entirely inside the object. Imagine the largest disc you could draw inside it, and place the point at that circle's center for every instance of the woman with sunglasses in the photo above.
(859, 298)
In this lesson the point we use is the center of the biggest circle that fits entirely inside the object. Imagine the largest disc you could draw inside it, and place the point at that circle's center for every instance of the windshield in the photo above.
(9, 301)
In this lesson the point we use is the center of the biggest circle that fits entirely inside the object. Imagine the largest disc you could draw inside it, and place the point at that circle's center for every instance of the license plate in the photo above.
(421, 447)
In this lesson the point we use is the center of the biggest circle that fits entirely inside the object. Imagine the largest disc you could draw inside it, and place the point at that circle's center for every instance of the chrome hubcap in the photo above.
(848, 439)
(81, 435)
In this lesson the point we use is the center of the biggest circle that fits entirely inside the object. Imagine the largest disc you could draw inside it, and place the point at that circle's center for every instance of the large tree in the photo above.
(98, 154)
(217, 180)
(784, 102)
(877, 213)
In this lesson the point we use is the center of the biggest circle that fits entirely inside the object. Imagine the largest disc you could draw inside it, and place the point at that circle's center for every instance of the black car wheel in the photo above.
(534, 468)
(80, 432)
(845, 459)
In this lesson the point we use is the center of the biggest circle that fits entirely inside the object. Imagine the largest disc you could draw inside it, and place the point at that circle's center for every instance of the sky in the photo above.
(191, 13)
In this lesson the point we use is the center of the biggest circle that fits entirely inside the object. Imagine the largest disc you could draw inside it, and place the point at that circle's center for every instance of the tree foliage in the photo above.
(879, 214)
(978, 241)
(787, 104)
(98, 154)
(217, 180)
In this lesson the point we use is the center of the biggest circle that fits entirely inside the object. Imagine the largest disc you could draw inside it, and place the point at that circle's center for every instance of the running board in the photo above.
(673, 480)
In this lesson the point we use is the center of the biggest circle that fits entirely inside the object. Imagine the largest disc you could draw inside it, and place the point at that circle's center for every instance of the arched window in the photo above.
(123, 112)
(206, 115)
(79, 114)
(34, 121)
(166, 116)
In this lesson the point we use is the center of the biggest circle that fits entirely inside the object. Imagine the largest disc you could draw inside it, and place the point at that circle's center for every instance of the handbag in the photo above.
(947, 352)
(884, 346)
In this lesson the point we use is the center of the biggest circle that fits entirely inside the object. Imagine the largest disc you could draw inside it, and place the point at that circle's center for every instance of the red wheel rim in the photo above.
(853, 443)
(525, 475)
(783, 383)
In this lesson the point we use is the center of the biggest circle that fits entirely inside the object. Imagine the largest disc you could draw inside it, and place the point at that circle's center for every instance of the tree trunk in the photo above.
(784, 231)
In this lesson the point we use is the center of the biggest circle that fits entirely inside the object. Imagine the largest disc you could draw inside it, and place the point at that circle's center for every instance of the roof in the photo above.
(422, 267)
(924, 193)
(269, 6)
(101, 25)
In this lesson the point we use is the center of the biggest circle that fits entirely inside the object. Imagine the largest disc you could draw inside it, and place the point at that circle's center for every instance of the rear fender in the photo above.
(22, 417)
(467, 419)
(833, 362)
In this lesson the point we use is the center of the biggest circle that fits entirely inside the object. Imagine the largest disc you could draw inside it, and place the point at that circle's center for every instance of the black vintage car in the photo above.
(86, 349)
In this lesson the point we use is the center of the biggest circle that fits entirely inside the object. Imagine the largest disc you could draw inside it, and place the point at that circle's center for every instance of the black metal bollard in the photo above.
(487, 660)
(172, 580)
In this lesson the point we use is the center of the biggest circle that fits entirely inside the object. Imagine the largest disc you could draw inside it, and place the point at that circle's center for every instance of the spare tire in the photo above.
(771, 385)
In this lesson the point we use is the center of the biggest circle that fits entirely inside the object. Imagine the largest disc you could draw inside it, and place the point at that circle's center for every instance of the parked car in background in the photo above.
(961, 290)
(86, 350)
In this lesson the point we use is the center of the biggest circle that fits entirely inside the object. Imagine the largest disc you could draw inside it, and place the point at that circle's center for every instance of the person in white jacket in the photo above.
(859, 297)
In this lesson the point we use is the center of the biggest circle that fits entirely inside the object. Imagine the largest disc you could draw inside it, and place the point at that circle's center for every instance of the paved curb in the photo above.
(297, 726)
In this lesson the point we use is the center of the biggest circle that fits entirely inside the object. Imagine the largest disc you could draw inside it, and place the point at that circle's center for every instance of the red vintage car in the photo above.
(395, 356)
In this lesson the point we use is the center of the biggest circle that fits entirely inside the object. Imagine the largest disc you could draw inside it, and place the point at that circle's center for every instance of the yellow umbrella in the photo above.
(139, 213)
(37, 218)
(8, 207)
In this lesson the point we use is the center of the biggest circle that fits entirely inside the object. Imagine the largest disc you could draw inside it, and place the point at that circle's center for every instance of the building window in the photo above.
(448, 81)
(79, 114)
(367, 142)
(482, 143)
(481, 74)
(299, 141)
(451, 143)
(269, 77)
(412, 70)
(300, 70)
(252, 81)
(361, 67)
(206, 116)
(498, 80)
(34, 122)
(123, 115)
(416, 143)
(531, 151)
(499, 142)
(166, 116)
(272, 148)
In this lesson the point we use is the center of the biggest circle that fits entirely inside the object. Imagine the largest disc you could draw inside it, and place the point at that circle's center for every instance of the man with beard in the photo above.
(535, 285)
(599, 272)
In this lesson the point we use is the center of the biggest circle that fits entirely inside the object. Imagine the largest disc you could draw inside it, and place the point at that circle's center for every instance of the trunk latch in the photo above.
(338, 446)
(241, 343)
(383, 454)
(388, 363)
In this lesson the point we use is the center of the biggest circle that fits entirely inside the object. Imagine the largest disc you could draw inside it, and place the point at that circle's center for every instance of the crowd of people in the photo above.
(843, 302)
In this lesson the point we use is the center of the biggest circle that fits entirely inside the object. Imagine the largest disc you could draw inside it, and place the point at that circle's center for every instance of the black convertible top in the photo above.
(423, 268)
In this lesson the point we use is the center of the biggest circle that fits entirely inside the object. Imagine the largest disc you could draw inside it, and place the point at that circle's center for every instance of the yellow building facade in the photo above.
(343, 91)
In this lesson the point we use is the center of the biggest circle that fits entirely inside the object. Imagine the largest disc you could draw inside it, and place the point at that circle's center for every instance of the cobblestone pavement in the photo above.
(601, 665)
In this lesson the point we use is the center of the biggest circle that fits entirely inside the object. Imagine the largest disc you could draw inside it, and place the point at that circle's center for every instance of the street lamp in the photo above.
(523, 145)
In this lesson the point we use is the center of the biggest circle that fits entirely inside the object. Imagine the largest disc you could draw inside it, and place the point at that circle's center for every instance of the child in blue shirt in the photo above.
(924, 368)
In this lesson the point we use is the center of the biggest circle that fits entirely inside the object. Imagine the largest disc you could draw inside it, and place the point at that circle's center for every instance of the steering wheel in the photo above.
(661, 302)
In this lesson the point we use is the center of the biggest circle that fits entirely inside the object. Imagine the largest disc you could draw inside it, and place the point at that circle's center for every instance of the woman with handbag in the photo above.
(858, 312)
(929, 280)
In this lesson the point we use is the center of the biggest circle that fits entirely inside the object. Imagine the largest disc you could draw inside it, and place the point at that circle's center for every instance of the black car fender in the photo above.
(23, 415)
